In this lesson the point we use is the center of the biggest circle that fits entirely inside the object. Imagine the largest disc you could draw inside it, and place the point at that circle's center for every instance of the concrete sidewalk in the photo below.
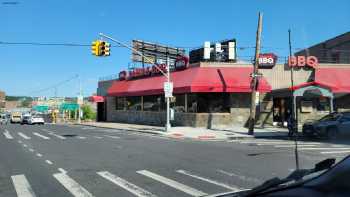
(217, 134)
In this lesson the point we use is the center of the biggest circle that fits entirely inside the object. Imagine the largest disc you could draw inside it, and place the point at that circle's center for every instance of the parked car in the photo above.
(3, 119)
(330, 126)
(36, 120)
(25, 119)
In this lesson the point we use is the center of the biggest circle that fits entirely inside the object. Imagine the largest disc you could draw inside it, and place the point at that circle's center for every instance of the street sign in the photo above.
(80, 100)
(168, 89)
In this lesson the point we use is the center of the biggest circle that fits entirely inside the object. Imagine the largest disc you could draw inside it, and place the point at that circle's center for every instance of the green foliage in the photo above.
(88, 113)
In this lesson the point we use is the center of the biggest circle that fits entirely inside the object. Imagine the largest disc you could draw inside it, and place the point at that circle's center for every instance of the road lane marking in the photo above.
(22, 186)
(58, 136)
(49, 162)
(71, 185)
(42, 136)
(111, 136)
(174, 184)
(39, 155)
(7, 134)
(335, 152)
(81, 137)
(244, 178)
(25, 145)
(24, 136)
(134, 189)
(289, 143)
(292, 146)
(234, 188)
(98, 137)
(329, 148)
(62, 170)
(31, 150)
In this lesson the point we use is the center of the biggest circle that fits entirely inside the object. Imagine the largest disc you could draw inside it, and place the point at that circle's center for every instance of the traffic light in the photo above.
(95, 48)
(104, 48)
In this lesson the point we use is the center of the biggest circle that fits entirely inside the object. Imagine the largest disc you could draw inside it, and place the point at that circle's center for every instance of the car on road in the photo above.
(3, 119)
(25, 119)
(36, 120)
(16, 117)
(329, 126)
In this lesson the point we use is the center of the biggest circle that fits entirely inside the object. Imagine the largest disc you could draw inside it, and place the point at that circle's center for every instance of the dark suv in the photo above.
(329, 126)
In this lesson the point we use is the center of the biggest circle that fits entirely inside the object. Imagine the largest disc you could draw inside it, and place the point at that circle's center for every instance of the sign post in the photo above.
(168, 92)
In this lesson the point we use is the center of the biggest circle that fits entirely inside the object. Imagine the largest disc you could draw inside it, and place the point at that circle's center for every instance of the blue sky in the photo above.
(186, 23)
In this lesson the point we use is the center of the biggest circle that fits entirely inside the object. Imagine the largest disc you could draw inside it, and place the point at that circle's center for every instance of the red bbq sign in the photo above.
(267, 60)
(303, 61)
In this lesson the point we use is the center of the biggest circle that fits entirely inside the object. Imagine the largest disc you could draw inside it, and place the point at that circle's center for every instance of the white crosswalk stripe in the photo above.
(58, 136)
(24, 136)
(7, 134)
(111, 136)
(22, 187)
(336, 152)
(41, 136)
(179, 186)
(134, 189)
(292, 146)
(71, 185)
(230, 187)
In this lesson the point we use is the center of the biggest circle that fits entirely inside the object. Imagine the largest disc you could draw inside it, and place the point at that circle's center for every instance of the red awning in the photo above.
(192, 80)
(335, 79)
(338, 79)
(97, 99)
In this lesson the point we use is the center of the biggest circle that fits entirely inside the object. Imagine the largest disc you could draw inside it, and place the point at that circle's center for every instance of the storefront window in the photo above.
(323, 104)
(208, 103)
(192, 103)
(179, 103)
(120, 103)
(133, 103)
(153, 103)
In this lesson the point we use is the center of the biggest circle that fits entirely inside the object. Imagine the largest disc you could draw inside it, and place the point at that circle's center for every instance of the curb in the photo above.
(139, 131)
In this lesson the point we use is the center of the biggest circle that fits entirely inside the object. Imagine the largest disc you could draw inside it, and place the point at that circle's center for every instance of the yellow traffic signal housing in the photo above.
(107, 50)
(95, 48)
(104, 48)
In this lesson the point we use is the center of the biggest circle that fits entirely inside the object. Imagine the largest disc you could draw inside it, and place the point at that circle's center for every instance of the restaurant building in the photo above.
(209, 93)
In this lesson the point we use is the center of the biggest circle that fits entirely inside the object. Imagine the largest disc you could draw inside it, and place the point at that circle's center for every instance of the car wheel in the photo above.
(332, 133)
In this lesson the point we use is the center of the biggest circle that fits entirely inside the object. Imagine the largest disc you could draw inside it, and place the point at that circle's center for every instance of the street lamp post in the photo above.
(167, 75)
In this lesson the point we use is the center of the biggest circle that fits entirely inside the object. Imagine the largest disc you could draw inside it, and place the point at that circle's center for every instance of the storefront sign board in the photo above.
(303, 61)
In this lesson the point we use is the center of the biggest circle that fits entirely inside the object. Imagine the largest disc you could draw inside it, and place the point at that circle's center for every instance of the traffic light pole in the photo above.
(167, 75)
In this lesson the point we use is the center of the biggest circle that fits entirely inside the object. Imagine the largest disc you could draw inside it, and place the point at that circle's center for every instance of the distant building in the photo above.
(11, 105)
(2, 100)
(335, 50)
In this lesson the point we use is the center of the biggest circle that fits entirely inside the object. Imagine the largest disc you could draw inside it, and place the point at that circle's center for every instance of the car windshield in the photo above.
(169, 98)
(330, 117)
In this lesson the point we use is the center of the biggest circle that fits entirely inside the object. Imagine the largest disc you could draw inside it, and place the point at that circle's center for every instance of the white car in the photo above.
(36, 120)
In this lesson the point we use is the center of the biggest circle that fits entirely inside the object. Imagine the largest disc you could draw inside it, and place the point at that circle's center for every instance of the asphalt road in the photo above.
(68, 160)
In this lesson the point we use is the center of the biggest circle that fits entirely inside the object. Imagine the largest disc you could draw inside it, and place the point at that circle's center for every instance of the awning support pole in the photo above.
(331, 104)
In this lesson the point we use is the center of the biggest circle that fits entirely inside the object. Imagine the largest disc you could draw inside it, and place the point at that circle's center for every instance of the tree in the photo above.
(88, 112)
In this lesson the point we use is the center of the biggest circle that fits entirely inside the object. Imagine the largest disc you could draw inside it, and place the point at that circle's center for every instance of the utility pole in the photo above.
(294, 105)
(255, 78)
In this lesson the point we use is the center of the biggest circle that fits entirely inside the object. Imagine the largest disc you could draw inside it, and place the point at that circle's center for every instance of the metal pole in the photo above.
(134, 50)
(167, 75)
(167, 126)
(79, 107)
(294, 107)
(254, 78)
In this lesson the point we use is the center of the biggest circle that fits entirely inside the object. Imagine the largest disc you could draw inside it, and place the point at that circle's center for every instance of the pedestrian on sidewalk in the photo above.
(291, 126)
